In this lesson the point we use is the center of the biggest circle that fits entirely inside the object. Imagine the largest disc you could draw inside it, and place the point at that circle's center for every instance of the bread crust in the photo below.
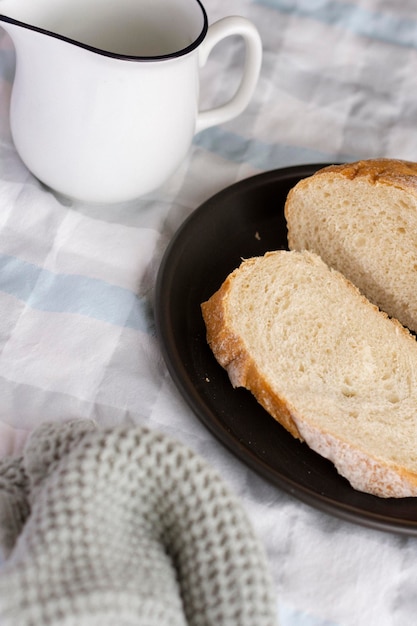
(230, 351)
(395, 172)
(361, 469)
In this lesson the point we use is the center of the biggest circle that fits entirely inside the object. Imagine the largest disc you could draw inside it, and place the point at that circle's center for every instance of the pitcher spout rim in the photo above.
(115, 55)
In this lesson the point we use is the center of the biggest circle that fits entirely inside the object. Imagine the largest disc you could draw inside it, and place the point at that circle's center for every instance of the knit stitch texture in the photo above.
(124, 527)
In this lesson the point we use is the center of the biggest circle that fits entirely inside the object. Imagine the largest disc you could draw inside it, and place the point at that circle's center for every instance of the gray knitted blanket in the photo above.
(124, 527)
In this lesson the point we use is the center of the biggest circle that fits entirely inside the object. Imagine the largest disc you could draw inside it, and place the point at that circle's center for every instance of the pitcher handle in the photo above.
(226, 27)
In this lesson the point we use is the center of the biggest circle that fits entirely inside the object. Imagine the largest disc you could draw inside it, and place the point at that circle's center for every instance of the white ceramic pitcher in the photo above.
(105, 98)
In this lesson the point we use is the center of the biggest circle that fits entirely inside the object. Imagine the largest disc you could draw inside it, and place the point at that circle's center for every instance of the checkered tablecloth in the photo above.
(77, 335)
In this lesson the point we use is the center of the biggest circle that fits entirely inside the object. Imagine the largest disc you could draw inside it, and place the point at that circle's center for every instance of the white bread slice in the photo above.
(328, 365)
(361, 218)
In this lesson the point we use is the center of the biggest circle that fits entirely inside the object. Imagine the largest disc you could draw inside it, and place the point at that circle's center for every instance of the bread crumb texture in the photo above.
(325, 362)
(361, 218)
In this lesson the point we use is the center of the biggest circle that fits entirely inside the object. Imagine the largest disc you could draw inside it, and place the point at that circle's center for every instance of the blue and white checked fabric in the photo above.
(77, 338)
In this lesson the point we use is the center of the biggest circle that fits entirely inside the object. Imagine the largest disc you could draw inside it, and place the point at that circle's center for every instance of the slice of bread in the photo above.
(328, 365)
(361, 218)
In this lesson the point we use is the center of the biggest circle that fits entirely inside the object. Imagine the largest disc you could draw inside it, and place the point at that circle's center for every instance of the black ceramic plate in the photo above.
(244, 220)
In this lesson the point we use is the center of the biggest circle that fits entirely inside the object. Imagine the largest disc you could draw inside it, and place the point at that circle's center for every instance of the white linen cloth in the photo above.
(77, 337)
